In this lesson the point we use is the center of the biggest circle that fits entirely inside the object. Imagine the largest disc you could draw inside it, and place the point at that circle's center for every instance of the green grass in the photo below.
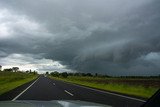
(113, 85)
(11, 80)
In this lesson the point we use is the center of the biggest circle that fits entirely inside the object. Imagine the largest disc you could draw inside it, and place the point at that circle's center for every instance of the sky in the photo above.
(113, 37)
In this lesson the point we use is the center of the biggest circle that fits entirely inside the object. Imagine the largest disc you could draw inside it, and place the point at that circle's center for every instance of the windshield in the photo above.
(98, 51)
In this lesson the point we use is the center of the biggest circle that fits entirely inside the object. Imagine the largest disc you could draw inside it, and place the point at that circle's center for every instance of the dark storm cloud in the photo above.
(107, 36)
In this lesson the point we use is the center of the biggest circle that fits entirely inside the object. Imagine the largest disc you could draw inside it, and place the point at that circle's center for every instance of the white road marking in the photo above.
(54, 84)
(24, 90)
(107, 92)
(68, 92)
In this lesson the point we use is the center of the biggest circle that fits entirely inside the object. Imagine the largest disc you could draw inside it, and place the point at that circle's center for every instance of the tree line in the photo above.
(66, 74)
(16, 69)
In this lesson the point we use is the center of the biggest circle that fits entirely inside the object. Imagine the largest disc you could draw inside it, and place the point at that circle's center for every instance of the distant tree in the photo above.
(89, 74)
(47, 73)
(27, 71)
(8, 70)
(106, 76)
(64, 74)
(77, 74)
(83, 74)
(70, 74)
(96, 74)
(0, 68)
(34, 72)
(55, 74)
(15, 69)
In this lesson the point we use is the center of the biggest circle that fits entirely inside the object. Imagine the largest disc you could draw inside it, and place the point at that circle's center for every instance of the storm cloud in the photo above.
(114, 37)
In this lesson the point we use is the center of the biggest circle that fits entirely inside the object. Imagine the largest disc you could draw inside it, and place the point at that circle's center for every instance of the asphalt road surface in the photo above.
(48, 89)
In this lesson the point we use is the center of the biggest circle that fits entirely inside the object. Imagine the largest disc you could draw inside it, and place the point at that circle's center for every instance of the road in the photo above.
(46, 89)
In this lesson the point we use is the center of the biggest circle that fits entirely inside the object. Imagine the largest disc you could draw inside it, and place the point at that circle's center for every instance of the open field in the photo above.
(140, 87)
(11, 80)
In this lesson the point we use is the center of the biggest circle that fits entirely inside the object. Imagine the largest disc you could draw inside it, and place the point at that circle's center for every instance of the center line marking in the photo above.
(68, 92)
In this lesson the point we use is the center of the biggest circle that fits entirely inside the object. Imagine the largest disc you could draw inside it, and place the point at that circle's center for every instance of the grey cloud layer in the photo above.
(107, 36)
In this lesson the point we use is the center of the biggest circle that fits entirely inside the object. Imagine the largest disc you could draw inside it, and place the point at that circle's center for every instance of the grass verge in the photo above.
(11, 80)
(128, 89)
